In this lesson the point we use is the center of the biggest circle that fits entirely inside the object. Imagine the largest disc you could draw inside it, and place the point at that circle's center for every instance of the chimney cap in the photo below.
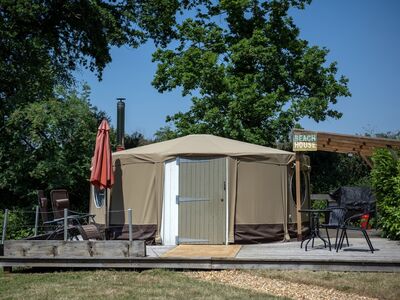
(121, 99)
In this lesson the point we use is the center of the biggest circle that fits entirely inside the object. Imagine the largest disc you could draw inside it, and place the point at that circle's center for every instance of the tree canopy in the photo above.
(50, 144)
(250, 75)
(136, 139)
(44, 135)
(330, 171)
(43, 42)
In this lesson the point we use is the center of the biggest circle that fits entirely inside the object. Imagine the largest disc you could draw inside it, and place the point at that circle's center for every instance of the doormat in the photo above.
(203, 251)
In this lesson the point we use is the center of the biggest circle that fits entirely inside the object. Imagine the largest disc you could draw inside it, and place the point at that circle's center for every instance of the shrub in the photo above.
(20, 224)
(385, 179)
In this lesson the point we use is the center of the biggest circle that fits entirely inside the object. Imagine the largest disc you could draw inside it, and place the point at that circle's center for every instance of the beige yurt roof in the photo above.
(202, 145)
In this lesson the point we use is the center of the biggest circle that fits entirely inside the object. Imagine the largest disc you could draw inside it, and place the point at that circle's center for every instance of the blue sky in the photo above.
(363, 36)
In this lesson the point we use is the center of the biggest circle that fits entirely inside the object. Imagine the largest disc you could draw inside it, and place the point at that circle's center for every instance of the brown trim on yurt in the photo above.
(139, 232)
(258, 233)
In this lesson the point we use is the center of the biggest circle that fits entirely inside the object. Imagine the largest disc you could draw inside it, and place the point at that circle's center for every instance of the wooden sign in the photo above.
(304, 141)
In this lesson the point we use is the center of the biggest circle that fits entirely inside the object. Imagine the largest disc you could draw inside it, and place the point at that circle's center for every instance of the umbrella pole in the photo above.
(106, 214)
(130, 225)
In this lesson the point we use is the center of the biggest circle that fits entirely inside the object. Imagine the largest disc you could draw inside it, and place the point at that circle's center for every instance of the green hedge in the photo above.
(385, 179)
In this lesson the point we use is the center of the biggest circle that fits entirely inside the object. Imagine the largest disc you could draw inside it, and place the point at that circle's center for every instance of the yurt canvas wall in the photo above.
(244, 191)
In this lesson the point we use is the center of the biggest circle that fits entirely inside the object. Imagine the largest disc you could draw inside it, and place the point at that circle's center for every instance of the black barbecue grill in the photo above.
(354, 199)
(359, 204)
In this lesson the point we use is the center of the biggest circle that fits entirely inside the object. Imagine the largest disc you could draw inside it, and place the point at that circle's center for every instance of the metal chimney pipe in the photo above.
(120, 124)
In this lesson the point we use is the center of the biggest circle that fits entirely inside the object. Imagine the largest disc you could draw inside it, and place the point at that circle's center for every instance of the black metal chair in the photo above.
(349, 225)
(336, 221)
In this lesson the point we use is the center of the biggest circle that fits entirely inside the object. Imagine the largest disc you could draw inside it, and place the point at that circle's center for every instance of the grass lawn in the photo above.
(111, 284)
(377, 285)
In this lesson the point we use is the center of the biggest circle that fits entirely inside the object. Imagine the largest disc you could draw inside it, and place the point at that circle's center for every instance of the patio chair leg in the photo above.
(336, 239)
(341, 240)
(312, 244)
(347, 240)
(368, 241)
(329, 240)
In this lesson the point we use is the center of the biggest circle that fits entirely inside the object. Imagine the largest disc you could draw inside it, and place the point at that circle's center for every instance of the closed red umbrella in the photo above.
(102, 175)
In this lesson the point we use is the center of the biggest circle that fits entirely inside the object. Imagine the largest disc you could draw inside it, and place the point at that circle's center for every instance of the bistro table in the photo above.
(314, 226)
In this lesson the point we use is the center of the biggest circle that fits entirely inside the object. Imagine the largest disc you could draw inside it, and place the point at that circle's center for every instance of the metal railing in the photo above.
(62, 222)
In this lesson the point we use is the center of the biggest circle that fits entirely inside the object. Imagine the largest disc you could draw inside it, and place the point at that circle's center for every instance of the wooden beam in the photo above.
(73, 249)
(338, 149)
(382, 142)
(347, 146)
(367, 160)
(298, 196)
(279, 259)
(346, 143)
(350, 142)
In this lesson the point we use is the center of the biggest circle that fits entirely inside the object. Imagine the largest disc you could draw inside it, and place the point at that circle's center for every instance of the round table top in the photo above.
(315, 210)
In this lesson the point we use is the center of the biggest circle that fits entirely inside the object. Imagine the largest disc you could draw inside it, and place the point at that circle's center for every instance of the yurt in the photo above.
(199, 189)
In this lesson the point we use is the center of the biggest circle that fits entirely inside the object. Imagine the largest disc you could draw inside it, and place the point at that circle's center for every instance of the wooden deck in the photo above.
(280, 255)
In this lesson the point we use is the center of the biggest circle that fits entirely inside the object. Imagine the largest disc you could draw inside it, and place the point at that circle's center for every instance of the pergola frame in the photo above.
(340, 143)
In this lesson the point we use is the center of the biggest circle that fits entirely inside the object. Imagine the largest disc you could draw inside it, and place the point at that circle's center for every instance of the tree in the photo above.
(42, 44)
(394, 135)
(50, 145)
(385, 178)
(249, 74)
(164, 134)
(330, 171)
(135, 139)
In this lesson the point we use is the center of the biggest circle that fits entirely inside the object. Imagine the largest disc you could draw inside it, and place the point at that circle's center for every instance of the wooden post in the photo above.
(65, 224)
(3, 237)
(36, 220)
(298, 196)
